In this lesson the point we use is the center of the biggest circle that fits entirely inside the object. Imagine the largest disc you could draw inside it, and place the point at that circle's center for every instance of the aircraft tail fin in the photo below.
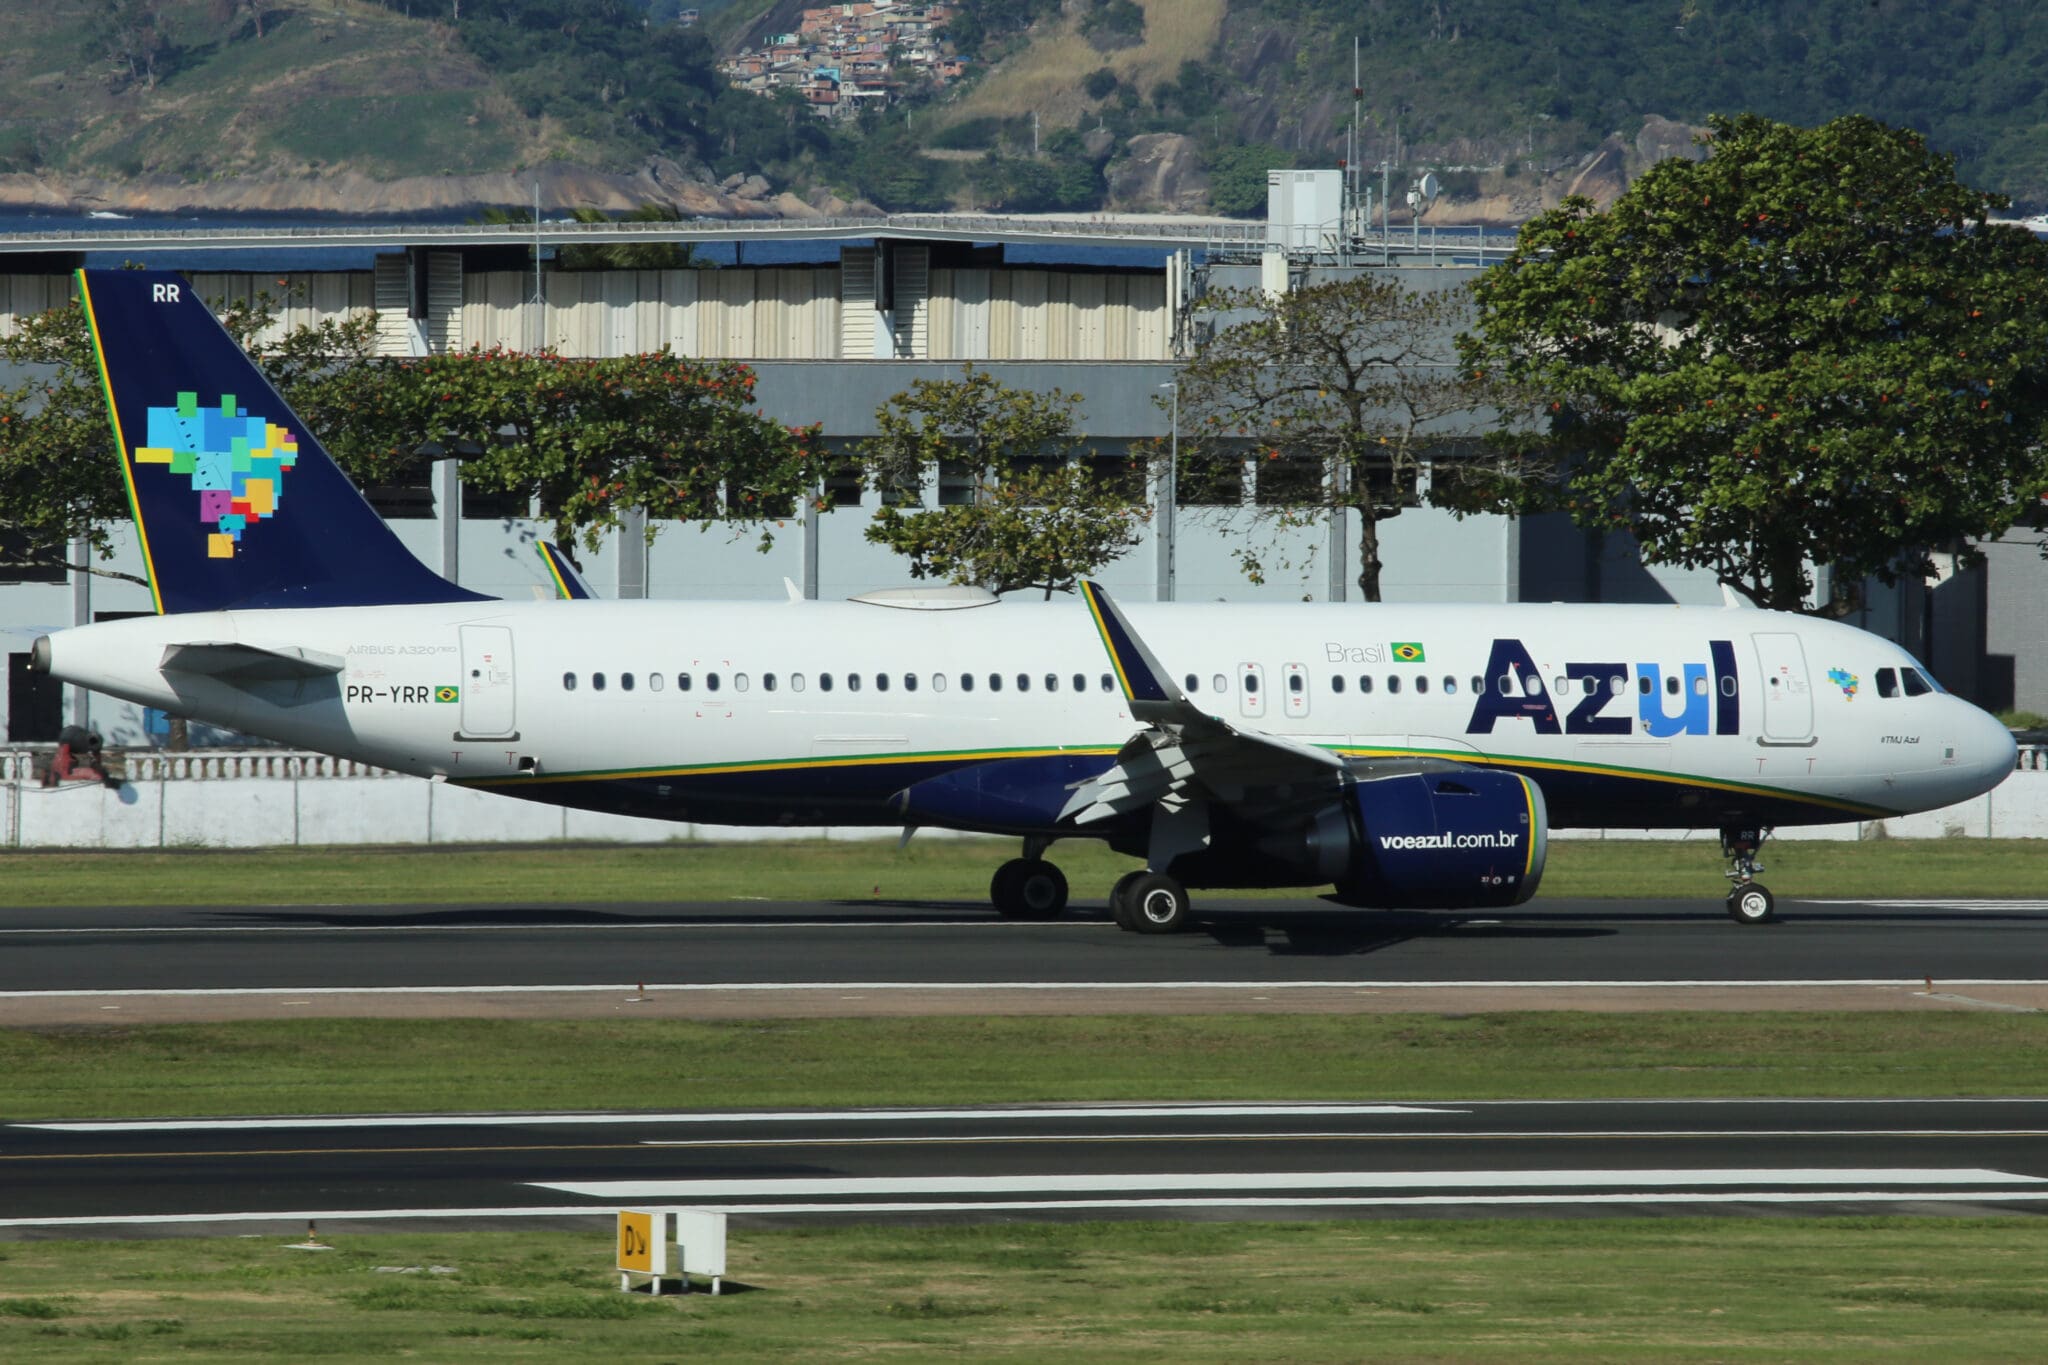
(235, 502)
(568, 580)
(1144, 681)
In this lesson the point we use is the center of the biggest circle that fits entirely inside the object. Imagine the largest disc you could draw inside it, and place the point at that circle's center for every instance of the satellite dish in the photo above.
(1429, 186)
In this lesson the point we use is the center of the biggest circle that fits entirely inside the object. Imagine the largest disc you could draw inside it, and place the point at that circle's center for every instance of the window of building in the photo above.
(497, 504)
(22, 562)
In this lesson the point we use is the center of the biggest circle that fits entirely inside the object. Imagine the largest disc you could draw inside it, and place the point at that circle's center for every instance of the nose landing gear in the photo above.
(1749, 901)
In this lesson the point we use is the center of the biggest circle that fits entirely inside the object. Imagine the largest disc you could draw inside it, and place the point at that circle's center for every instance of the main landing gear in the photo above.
(1749, 901)
(1029, 887)
(1150, 903)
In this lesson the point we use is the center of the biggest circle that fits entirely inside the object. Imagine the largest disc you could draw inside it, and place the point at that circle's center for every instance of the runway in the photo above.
(1451, 1158)
(753, 958)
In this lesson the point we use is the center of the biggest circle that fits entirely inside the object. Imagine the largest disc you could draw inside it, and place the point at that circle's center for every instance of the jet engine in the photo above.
(1459, 839)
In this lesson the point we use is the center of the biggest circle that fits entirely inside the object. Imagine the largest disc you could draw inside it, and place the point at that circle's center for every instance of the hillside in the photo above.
(1072, 105)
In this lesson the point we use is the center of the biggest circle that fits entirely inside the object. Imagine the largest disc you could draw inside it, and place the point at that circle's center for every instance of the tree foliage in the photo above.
(59, 479)
(1339, 394)
(1034, 516)
(1809, 347)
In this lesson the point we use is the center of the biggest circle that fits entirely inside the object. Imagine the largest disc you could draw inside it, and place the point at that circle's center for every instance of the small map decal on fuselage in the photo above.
(1844, 679)
(236, 463)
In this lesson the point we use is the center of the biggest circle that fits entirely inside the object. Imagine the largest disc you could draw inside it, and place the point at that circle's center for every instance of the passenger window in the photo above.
(1617, 685)
(710, 682)
(824, 682)
(1337, 683)
(1727, 686)
(1478, 685)
(1393, 683)
(1080, 682)
(1699, 685)
(1421, 683)
(1023, 682)
(881, 682)
(1561, 686)
(682, 682)
(568, 682)
(1450, 686)
(796, 682)
(938, 682)
(1671, 684)
(1887, 682)
(1251, 684)
(1191, 684)
(625, 682)
(966, 682)
(1365, 682)
(1508, 686)
(1219, 684)
(910, 682)
(739, 682)
(853, 682)
(1108, 683)
(1643, 683)
(1295, 683)
(767, 682)
(995, 682)
(597, 682)
(1916, 685)
(1052, 682)
(654, 682)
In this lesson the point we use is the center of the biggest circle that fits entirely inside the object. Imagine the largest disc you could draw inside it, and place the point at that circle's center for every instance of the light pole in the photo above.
(1170, 501)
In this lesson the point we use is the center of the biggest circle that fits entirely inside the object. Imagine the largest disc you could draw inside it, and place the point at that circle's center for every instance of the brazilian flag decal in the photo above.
(447, 692)
(1409, 652)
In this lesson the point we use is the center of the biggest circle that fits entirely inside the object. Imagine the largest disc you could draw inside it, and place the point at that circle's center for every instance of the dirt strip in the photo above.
(656, 1003)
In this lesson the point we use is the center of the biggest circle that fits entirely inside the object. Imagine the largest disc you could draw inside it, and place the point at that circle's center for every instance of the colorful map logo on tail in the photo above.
(236, 462)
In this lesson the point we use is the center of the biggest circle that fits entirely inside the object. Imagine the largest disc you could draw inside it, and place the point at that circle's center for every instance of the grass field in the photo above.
(309, 1066)
(1046, 77)
(1621, 1289)
(929, 869)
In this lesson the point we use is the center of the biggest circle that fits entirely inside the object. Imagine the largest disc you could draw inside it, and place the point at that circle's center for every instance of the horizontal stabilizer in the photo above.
(238, 663)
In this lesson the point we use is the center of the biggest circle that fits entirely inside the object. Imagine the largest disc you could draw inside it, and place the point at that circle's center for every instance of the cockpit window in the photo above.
(1916, 685)
(1887, 682)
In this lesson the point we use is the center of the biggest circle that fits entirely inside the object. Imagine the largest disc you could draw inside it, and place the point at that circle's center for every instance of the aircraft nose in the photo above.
(1986, 749)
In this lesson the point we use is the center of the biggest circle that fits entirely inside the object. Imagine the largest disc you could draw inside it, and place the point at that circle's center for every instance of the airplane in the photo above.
(1403, 756)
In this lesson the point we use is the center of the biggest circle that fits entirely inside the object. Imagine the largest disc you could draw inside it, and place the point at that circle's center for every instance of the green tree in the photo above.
(59, 478)
(1338, 395)
(1034, 516)
(1808, 348)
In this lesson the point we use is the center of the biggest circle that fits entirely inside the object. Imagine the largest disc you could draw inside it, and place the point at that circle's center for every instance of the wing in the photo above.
(1185, 754)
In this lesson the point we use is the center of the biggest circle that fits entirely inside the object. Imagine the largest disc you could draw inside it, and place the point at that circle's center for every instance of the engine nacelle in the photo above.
(1443, 840)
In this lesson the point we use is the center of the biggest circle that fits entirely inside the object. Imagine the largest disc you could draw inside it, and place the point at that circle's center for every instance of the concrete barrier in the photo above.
(267, 798)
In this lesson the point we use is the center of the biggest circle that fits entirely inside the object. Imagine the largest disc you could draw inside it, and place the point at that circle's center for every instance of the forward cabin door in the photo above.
(1788, 699)
(487, 696)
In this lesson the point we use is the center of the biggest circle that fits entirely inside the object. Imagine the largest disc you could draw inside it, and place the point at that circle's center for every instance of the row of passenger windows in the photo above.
(827, 682)
(1510, 685)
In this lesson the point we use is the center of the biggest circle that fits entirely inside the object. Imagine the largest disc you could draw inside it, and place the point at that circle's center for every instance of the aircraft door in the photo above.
(1251, 691)
(487, 695)
(1788, 700)
(1295, 681)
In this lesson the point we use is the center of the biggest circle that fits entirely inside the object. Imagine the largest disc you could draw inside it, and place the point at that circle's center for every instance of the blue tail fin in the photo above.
(568, 580)
(235, 502)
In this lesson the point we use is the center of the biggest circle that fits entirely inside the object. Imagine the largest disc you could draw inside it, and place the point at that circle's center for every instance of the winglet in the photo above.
(569, 583)
(1145, 682)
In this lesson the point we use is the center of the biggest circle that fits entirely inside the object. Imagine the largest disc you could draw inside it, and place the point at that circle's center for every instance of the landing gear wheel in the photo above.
(1120, 901)
(1158, 904)
(1028, 888)
(1751, 903)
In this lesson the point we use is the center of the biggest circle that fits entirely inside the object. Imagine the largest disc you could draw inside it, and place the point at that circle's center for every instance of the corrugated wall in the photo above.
(727, 314)
(1047, 315)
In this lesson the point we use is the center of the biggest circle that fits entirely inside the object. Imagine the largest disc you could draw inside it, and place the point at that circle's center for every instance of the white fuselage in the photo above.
(755, 712)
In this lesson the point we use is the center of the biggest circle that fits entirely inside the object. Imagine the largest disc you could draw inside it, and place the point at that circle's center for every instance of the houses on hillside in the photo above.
(843, 58)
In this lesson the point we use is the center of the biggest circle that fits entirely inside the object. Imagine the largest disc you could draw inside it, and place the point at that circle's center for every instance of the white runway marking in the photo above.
(1666, 1180)
(1069, 1112)
(693, 987)
(1843, 1196)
